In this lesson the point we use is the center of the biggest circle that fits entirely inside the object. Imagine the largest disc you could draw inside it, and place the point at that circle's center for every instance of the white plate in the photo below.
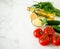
(16, 30)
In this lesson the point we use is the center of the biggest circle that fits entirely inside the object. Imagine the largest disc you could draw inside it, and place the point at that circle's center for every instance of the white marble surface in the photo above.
(15, 26)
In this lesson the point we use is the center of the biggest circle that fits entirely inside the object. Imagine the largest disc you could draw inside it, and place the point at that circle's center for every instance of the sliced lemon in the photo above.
(39, 21)
(33, 16)
(36, 22)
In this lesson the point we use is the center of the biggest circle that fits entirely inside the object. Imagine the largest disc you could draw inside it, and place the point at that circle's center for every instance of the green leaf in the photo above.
(48, 7)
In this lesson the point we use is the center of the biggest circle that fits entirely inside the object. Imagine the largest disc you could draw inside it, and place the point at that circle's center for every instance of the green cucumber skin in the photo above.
(56, 28)
(53, 22)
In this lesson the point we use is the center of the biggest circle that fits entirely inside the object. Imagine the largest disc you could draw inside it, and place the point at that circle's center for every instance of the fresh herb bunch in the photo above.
(48, 7)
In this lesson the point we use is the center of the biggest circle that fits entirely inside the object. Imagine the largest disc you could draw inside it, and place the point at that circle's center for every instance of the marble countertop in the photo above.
(15, 26)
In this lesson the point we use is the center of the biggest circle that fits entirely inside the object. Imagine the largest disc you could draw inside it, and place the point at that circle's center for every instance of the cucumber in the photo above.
(53, 22)
(56, 28)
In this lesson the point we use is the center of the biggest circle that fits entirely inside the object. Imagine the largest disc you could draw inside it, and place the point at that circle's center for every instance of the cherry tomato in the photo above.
(56, 39)
(38, 32)
(49, 30)
(44, 40)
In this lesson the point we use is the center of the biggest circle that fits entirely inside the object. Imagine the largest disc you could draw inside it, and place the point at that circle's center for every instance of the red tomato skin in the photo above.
(55, 41)
(45, 41)
(38, 32)
(49, 30)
